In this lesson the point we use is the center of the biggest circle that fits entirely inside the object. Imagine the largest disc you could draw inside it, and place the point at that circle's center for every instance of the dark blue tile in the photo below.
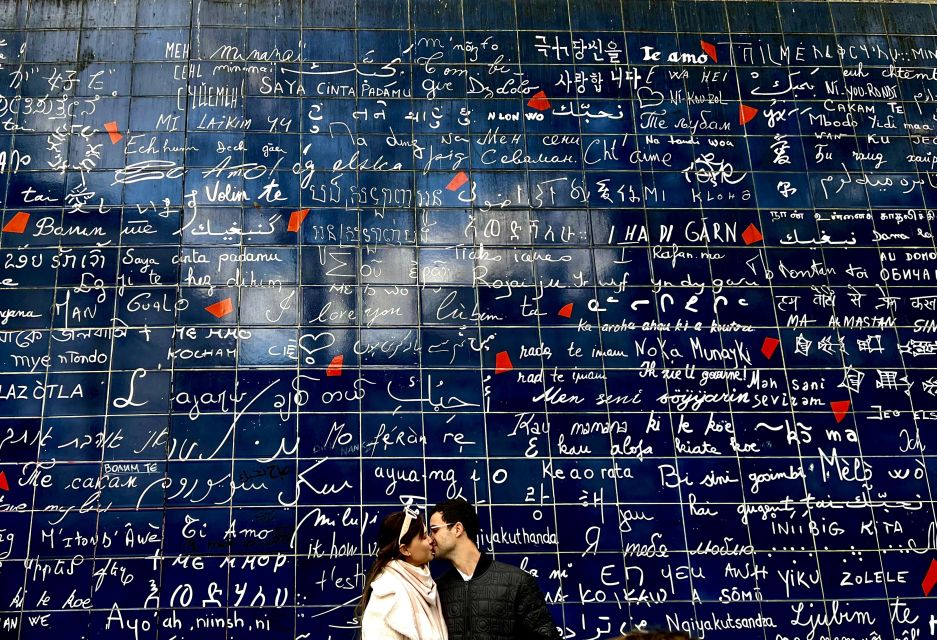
(908, 18)
(753, 17)
(118, 13)
(700, 17)
(383, 46)
(269, 14)
(494, 14)
(542, 15)
(648, 15)
(805, 17)
(325, 13)
(106, 44)
(328, 45)
(601, 15)
(437, 14)
(857, 17)
(13, 14)
(382, 14)
(175, 14)
(52, 46)
(49, 14)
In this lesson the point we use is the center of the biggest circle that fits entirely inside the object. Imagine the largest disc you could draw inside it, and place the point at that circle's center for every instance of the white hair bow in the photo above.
(410, 513)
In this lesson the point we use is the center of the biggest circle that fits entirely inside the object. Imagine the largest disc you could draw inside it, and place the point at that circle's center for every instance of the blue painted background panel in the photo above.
(648, 281)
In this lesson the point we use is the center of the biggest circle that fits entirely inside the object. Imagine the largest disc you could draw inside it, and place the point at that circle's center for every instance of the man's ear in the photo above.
(458, 529)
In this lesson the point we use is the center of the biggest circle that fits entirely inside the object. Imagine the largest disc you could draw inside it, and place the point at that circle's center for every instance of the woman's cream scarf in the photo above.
(406, 597)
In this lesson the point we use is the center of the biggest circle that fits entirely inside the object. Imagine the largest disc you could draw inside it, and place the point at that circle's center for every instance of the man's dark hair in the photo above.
(459, 510)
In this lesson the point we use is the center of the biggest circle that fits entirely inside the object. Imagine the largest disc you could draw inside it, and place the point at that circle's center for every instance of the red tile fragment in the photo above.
(17, 224)
(566, 310)
(768, 347)
(746, 113)
(709, 49)
(3, 481)
(296, 219)
(539, 101)
(220, 309)
(840, 409)
(503, 362)
(930, 580)
(113, 131)
(751, 235)
(335, 367)
(456, 183)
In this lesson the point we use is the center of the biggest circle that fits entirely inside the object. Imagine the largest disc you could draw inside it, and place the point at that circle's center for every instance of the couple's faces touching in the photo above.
(437, 542)
(444, 534)
(420, 550)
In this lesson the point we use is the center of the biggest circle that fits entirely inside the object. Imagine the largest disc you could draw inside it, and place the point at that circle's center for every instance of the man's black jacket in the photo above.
(500, 602)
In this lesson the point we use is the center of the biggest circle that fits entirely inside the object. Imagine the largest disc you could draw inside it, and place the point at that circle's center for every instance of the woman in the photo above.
(399, 600)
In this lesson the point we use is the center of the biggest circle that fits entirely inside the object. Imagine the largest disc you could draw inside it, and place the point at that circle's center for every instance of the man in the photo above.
(483, 599)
